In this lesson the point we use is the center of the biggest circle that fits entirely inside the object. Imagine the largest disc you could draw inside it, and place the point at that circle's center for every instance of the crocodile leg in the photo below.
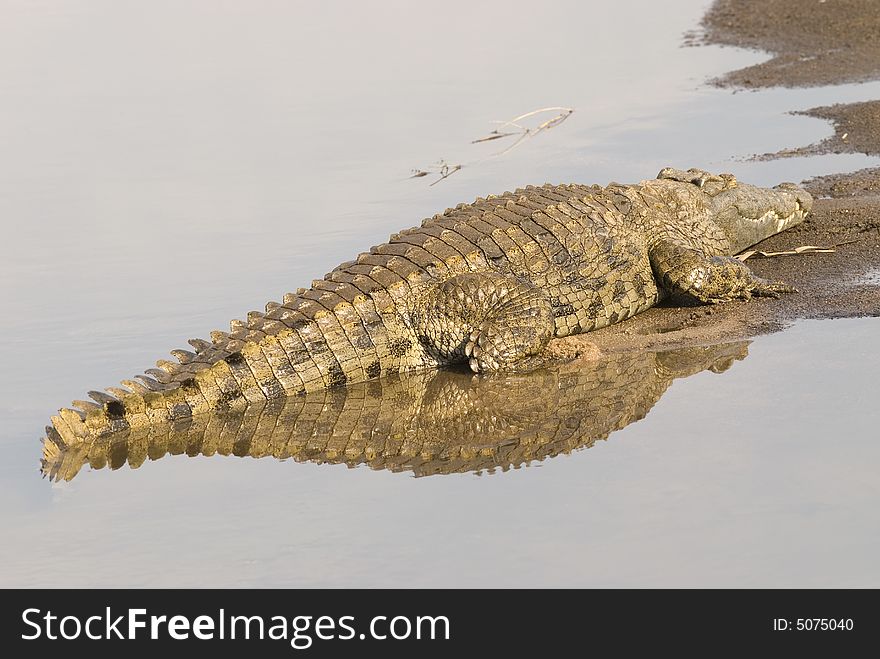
(709, 279)
(490, 320)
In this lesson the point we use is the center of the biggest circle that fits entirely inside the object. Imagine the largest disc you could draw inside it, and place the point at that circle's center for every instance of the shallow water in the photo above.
(430, 423)
(170, 166)
(764, 475)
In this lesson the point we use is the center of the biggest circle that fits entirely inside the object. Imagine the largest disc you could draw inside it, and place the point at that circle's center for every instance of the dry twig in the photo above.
(446, 171)
(804, 249)
(522, 132)
(525, 132)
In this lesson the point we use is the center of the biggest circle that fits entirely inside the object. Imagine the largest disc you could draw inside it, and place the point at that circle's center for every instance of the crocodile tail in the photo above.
(297, 346)
(251, 363)
(144, 400)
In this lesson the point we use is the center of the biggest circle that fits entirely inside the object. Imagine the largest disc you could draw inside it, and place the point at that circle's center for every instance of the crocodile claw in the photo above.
(774, 289)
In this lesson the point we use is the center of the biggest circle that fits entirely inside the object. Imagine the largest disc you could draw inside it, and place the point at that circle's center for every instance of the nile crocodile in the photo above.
(487, 284)
(428, 423)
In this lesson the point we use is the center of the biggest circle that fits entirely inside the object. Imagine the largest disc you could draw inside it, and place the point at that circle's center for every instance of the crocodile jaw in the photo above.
(752, 231)
(749, 214)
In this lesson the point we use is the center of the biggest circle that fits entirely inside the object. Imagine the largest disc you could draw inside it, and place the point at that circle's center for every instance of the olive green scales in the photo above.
(487, 283)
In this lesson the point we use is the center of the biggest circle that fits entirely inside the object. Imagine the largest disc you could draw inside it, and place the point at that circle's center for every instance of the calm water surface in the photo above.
(169, 166)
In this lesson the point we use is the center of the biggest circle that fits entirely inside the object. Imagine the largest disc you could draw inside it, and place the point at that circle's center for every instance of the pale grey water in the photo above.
(168, 166)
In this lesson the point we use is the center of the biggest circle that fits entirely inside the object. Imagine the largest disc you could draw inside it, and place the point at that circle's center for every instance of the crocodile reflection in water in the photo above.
(437, 422)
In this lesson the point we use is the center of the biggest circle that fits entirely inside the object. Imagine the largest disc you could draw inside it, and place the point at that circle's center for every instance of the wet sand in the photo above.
(856, 130)
(827, 43)
(812, 43)
(864, 182)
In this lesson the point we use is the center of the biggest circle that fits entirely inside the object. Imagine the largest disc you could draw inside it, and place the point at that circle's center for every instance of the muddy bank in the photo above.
(815, 43)
(821, 42)
(856, 130)
(811, 43)
(856, 184)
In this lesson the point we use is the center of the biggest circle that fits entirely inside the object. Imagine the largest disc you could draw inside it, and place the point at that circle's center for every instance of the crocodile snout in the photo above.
(804, 199)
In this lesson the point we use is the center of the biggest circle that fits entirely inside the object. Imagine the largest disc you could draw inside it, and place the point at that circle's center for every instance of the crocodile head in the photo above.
(747, 213)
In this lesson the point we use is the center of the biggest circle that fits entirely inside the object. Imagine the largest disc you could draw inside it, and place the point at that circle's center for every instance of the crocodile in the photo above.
(487, 284)
(429, 423)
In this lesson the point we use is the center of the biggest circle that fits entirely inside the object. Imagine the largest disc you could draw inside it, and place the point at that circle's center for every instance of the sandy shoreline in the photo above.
(812, 42)
(856, 130)
(824, 44)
